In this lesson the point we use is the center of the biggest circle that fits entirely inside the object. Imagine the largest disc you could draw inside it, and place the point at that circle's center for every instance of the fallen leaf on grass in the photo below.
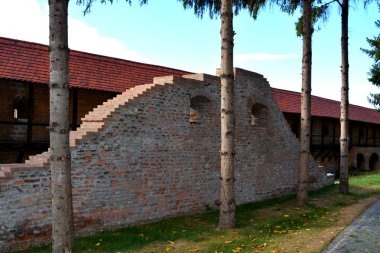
(237, 250)
(228, 242)
(262, 246)
(98, 244)
(194, 250)
(171, 242)
(167, 249)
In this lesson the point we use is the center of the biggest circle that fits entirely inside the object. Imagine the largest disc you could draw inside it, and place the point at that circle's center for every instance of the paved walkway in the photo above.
(363, 235)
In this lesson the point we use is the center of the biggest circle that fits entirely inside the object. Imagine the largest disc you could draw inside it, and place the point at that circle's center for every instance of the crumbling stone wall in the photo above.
(153, 152)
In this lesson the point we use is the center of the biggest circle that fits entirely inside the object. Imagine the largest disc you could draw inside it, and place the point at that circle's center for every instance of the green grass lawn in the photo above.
(272, 226)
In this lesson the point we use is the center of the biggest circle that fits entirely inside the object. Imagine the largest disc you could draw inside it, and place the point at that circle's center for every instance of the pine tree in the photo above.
(374, 73)
(227, 151)
(60, 160)
(303, 175)
(304, 28)
(343, 178)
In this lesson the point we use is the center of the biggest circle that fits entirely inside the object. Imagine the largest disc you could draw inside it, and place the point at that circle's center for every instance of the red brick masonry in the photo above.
(140, 157)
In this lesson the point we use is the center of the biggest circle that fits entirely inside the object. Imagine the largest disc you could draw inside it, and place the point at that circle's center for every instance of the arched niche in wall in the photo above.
(360, 161)
(260, 115)
(20, 108)
(373, 162)
(198, 109)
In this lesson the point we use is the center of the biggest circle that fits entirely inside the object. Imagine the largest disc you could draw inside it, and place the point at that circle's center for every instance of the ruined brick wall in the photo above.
(153, 152)
(25, 203)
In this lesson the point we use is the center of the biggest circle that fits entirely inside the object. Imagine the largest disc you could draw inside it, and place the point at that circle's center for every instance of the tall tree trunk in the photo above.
(60, 160)
(303, 175)
(227, 152)
(343, 181)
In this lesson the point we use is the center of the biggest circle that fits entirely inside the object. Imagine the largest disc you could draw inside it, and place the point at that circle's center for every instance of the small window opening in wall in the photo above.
(325, 129)
(259, 115)
(373, 162)
(20, 108)
(198, 108)
(361, 132)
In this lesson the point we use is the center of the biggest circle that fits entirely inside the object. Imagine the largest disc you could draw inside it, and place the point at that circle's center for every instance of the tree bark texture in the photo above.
(343, 179)
(303, 175)
(227, 151)
(60, 160)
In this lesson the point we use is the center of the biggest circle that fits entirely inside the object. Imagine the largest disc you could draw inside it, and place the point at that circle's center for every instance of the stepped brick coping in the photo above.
(95, 120)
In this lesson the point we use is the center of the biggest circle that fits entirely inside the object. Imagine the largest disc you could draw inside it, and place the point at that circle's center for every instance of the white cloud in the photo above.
(29, 20)
(25, 20)
(83, 37)
(242, 58)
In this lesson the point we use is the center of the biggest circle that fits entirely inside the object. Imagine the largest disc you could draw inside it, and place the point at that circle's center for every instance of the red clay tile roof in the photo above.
(26, 61)
(290, 101)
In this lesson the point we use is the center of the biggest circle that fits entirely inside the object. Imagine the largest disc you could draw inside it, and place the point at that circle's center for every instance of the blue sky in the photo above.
(163, 33)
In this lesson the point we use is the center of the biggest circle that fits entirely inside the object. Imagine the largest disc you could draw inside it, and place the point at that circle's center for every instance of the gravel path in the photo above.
(362, 235)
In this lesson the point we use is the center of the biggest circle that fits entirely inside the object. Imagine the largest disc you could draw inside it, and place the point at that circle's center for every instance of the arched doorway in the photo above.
(373, 162)
(360, 161)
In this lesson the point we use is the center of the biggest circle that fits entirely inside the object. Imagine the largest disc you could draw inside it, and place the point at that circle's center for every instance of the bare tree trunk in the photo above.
(60, 160)
(227, 152)
(303, 179)
(343, 181)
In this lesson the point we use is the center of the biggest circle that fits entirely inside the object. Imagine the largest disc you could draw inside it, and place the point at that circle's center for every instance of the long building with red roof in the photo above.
(24, 77)
(29, 62)
(290, 102)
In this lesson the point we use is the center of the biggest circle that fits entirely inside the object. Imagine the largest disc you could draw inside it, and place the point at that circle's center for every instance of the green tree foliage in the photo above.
(320, 12)
(213, 6)
(88, 3)
(374, 73)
